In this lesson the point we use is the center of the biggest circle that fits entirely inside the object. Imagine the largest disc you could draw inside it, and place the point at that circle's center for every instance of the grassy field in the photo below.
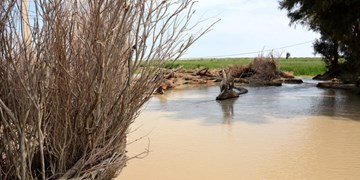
(303, 66)
(299, 66)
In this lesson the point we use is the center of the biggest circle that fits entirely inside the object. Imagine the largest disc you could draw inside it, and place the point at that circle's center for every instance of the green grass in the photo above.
(208, 63)
(299, 66)
(303, 66)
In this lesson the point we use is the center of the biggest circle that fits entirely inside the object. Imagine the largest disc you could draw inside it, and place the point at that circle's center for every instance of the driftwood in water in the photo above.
(227, 88)
(231, 93)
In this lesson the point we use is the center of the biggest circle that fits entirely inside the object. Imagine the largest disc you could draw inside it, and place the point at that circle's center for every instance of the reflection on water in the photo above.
(227, 108)
(287, 101)
(288, 132)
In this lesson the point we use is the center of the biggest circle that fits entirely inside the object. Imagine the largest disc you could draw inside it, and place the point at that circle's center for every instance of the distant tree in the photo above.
(337, 21)
(288, 55)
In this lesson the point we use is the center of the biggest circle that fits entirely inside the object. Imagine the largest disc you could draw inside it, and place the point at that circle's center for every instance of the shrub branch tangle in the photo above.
(71, 83)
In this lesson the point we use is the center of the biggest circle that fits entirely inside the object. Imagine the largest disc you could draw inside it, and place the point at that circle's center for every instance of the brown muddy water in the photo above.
(288, 132)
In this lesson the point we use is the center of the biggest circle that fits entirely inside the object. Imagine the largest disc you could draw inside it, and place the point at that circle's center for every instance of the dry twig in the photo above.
(71, 82)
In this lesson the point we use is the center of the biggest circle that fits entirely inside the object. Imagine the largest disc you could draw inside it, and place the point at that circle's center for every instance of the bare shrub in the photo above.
(71, 83)
(265, 67)
(241, 71)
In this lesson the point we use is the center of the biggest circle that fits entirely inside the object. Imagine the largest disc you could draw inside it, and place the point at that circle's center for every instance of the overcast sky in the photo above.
(249, 26)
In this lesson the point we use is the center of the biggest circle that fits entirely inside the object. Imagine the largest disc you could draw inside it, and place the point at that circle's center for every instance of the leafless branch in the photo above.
(74, 75)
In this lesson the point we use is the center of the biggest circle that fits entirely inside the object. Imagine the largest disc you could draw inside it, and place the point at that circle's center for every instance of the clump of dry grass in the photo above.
(261, 67)
(261, 71)
(241, 71)
(265, 67)
(71, 82)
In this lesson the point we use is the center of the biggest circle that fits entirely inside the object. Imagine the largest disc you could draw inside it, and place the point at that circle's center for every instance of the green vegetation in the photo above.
(303, 66)
(208, 63)
(299, 66)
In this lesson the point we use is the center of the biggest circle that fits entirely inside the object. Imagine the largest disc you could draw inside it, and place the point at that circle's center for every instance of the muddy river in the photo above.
(287, 132)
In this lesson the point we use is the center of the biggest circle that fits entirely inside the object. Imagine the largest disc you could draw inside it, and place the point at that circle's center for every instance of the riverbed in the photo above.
(287, 132)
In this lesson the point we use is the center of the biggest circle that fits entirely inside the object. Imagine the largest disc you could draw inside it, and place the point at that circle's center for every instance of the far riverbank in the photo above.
(306, 66)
